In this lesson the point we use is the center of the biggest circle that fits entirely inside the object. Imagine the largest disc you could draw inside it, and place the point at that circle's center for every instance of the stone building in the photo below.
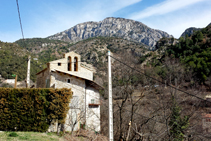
(206, 117)
(206, 123)
(70, 72)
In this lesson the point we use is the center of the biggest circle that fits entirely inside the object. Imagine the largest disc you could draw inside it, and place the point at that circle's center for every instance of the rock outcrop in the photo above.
(189, 31)
(112, 27)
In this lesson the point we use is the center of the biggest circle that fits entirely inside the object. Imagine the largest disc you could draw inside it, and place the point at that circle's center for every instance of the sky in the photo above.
(42, 18)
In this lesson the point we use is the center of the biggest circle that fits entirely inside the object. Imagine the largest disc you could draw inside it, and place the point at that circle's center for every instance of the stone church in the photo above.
(70, 72)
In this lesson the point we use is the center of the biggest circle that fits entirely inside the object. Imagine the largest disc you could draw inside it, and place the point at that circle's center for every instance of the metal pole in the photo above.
(110, 99)
(28, 73)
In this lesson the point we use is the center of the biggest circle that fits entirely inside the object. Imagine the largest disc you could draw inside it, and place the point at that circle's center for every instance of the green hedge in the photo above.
(32, 109)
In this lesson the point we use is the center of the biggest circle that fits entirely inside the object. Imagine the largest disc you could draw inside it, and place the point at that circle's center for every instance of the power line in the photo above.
(20, 19)
(159, 80)
(151, 118)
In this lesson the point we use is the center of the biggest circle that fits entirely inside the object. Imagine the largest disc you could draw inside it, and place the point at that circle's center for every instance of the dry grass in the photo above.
(81, 135)
(84, 135)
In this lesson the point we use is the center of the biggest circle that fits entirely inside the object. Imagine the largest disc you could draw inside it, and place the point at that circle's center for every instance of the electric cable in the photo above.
(20, 19)
(159, 80)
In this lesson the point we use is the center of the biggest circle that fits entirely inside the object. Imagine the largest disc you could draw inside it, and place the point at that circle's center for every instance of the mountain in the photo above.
(112, 27)
(191, 30)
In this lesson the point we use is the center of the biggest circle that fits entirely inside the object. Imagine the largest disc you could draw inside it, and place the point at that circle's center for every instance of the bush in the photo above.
(32, 109)
(13, 134)
(6, 85)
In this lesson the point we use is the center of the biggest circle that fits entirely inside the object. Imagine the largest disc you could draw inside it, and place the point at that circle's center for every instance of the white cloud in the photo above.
(177, 22)
(163, 8)
(174, 16)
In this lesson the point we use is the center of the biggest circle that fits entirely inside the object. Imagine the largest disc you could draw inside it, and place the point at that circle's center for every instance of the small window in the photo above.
(59, 64)
(68, 80)
(92, 101)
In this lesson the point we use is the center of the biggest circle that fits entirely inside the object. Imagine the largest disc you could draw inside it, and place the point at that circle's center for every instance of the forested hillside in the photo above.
(93, 51)
(44, 49)
(14, 56)
(195, 53)
(163, 92)
(13, 60)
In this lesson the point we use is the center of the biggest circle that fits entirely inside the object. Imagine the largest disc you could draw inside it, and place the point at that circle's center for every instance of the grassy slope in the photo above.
(30, 136)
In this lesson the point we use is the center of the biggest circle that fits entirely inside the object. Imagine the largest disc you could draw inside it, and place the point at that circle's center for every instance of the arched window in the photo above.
(75, 64)
(69, 64)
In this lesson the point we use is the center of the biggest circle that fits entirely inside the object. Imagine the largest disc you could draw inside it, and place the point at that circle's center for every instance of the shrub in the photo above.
(32, 109)
(13, 134)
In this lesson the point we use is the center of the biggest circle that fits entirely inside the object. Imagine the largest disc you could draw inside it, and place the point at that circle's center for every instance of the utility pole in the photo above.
(28, 73)
(111, 136)
(16, 78)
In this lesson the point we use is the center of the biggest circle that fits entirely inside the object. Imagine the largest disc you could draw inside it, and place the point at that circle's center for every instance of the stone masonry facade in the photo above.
(70, 72)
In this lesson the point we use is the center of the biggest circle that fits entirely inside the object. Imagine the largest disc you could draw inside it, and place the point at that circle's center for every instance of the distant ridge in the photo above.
(191, 30)
(112, 27)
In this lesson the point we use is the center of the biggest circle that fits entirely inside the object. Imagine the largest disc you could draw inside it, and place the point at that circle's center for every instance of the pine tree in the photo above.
(176, 123)
(200, 36)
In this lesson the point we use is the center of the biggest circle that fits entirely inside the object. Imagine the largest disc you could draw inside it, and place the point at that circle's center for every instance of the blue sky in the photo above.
(42, 18)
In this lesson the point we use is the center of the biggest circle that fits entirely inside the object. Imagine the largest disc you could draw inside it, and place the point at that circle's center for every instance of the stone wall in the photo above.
(76, 114)
(92, 112)
(206, 123)
(42, 77)
(77, 85)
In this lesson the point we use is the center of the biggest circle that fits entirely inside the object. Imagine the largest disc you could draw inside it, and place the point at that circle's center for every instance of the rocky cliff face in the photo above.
(189, 31)
(112, 27)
